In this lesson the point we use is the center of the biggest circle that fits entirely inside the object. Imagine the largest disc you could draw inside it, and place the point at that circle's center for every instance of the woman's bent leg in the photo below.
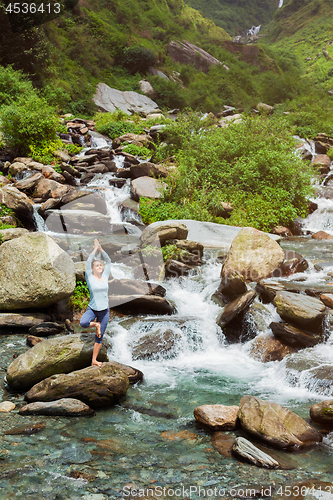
(87, 318)
(103, 318)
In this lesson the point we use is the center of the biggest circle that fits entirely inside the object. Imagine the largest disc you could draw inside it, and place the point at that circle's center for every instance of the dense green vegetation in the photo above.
(251, 165)
(80, 297)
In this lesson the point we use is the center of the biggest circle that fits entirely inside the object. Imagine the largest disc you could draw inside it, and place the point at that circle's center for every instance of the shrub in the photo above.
(137, 59)
(13, 84)
(80, 297)
(29, 121)
(113, 124)
(140, 151)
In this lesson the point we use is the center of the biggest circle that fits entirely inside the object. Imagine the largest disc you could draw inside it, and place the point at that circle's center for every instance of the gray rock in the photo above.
(108, 99)
(34, 272)
(155, 344)
(252, 454)
(11, 233)
(322, 413)
(65, 407)
(290, 335)
(45, 329)
(29, 183)
(187, 53)
(134, 375)
(26, 320)
(17, 201)
(57, 355)
(162, 232)
(147, 169)
(235, 307)
(300, 309)
(129, 287)
(140, 304)
(95, 386)
(146, 187)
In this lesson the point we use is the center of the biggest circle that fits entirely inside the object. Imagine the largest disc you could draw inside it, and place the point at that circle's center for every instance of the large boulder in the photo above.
(187, 53)
(302, 310)
(19, 203)
(163, 232)
(25, 320)
(34, 272)
(275, 425)
(322, 413)
(47, 188)
(95, 386)
(58, 355)
(11, 233)
(146, 187)
(108, 99)
(253, 254)
(147, 169)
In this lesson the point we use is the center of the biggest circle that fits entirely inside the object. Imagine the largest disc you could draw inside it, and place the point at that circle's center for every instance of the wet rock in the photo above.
(95, 386)
(327, 299)
(65, 407)
(78, 221)
(118, 183)
(313, 372)
(140, 304)
(163, 232)
(233, 285)
(267, 349)
(29, 183)
(245, 449)
(322, 413)
(25, 430)
(129, 287)
(130, 204)
(155, 344)
(6, 406)
(217, 417)
(293, 263)
(275, 425)
(26, 320)
(281, 231)
(190, 246)
(223, 443)
(292, 336)
(176, 269)
(300, 309)
(50, 173)
(34, 272)
(45, 329)
(16, 167)
(146, 187)
(322, 162)
(11, 233)
(253, 254)
(58, 355)
(47, 188)
(32, 340)
(235, 307)
(322, 235)
(134, 375)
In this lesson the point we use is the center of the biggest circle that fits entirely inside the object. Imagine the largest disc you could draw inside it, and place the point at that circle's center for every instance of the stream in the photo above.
(151, 439)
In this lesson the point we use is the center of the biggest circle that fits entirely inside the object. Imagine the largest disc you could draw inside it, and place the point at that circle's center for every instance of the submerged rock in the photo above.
(58, 355)
(217, 417)
(155, 344)
(252, 454)
(293, 336)
(95, 386)
(275, 425)
(267, 349)
(65, 407)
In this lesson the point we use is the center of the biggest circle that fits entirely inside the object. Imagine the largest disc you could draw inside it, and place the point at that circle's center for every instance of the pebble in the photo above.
(6, 406)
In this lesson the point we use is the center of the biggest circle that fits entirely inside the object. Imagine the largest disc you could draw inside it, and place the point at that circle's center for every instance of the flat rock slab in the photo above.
(26, 320)
(129, 287)
(146, 187)
(292, 336)
(252, 454)
(322, 413)
(65, 407)
(209, 234)
(46, 328)
(58, 355)
(275, 425)
(235, 307)
(95, 386)
(217, 417)
(108, 99)
(300, 309)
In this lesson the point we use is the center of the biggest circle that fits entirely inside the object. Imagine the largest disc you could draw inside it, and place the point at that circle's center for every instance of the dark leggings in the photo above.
(101, 316)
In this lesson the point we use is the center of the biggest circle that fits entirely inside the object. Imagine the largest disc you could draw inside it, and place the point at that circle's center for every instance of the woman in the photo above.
(98, 308)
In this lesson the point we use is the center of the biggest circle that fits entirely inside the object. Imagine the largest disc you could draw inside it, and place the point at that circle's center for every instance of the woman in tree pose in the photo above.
(97, 314)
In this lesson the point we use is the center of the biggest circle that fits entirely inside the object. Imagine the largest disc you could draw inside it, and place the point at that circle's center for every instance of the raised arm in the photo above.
(91, 257)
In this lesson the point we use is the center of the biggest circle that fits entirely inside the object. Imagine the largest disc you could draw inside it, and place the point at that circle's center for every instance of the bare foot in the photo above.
(97, 363)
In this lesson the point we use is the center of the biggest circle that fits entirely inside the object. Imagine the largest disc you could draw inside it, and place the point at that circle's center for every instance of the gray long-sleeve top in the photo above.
(98, 289)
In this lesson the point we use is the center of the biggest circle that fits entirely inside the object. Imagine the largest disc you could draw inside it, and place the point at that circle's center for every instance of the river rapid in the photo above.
(151, 440)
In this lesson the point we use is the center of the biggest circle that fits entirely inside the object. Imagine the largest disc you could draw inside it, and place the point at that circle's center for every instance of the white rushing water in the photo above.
(280, 4)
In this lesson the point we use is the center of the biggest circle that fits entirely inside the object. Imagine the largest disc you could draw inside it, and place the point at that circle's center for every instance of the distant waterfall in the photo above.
(280, 4)
(254, 30)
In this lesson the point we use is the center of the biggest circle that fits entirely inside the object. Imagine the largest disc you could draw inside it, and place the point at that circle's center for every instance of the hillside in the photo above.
(236, 16)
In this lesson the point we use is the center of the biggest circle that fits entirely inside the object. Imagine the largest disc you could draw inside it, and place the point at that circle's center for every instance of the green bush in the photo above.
(80, 297)
(113, 124)
(13, 85)
(28, 122)
(140, 151)
(137, 59)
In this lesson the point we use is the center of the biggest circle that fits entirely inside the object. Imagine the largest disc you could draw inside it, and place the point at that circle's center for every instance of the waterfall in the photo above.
(254, 30)
(280, 4)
